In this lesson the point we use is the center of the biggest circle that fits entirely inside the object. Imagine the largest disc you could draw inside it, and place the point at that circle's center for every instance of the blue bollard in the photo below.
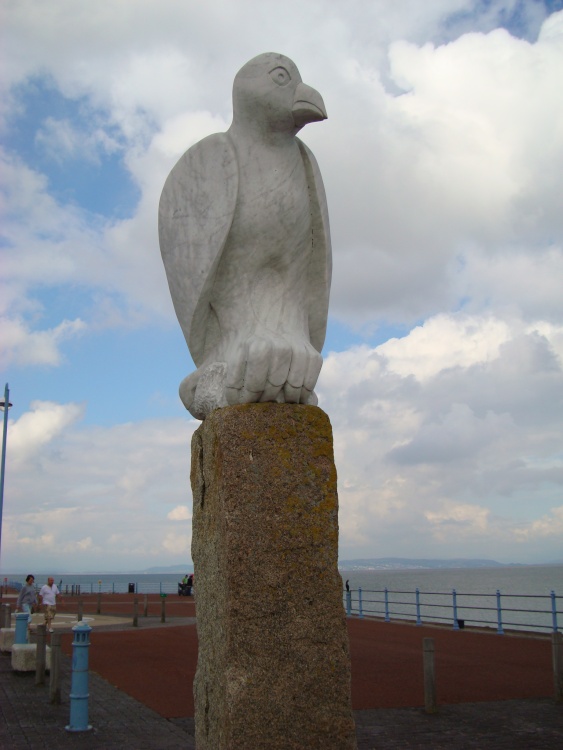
(79, 682)
(348, 603)
(387, 618)
(360, 603)
(20, 635)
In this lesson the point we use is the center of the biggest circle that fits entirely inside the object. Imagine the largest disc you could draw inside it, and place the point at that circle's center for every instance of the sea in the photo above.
(526, 600)
(530, 596)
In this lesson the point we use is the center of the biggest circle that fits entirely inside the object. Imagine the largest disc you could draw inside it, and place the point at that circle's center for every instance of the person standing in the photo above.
(48, 594)
(27, 598)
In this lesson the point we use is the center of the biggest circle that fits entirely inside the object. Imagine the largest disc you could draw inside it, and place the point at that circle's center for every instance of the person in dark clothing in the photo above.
(27, 598)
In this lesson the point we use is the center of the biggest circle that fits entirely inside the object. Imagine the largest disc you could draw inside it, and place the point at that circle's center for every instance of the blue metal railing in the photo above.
(532, 612)
(111, 587)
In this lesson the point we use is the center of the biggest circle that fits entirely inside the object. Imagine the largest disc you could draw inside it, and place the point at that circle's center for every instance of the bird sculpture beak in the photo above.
(308, 106)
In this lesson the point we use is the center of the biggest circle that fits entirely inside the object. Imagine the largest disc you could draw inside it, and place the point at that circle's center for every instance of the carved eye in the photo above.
(280, 76)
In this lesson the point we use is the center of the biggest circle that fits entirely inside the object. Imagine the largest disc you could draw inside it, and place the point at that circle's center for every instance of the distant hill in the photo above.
(406, 563)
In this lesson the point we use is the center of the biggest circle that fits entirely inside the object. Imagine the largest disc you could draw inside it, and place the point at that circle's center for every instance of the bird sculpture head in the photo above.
(269, 95)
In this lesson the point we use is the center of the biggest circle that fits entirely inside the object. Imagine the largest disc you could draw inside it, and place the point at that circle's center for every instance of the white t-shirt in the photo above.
(48, 594)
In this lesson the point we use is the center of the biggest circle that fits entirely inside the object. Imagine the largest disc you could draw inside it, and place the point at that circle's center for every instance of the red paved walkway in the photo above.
(157, 665)
(470, 666)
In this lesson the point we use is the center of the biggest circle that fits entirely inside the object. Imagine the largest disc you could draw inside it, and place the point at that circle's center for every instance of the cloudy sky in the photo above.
(443, 164)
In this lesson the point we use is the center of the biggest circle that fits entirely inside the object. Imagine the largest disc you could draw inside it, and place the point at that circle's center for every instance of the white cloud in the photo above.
(50, 246)
(471, 153)
(37, 428)
(445, 341)
(467, 162)
(45, 243)
(180, 513)
(62, 140)
(522, 279)
(114, 495)
(177, 544)
(447, 441)
(551, 524)
(452, 517)
(21, 346)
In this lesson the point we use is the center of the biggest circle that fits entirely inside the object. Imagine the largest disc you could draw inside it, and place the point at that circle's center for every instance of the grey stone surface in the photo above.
(24, 657)
(503, 725)
(273, 667)
(7, 636)
(245, 240)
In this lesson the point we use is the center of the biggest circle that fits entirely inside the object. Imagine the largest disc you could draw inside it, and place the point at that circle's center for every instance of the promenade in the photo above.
(493, 691)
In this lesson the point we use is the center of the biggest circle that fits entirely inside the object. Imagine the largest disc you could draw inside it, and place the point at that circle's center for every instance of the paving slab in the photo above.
(66, 621)
(28, 720)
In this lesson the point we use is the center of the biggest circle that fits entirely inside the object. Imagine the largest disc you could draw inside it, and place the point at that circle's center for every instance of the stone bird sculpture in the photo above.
(244, 236)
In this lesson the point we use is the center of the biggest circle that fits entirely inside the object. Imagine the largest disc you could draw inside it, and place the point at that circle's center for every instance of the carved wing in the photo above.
(195, 215)
(320, 268)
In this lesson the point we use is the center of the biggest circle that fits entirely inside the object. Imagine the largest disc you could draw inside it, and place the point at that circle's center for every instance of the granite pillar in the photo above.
(273, 667)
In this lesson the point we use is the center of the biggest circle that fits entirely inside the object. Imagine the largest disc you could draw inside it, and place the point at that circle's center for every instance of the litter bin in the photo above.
(461, 624)
(131, 588)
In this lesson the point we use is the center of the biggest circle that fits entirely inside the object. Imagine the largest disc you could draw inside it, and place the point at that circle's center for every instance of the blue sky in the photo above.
(442, 159)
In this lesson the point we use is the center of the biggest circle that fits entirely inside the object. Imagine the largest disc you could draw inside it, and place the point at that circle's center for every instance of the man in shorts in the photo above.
(48, 594)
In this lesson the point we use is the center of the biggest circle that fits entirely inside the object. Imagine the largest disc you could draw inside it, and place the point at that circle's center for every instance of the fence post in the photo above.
(6, 616)
(163, 609)
(146, 608)
(387, 618)
(554, 611)
(360, 603)
(430, 704)
(55, 676)
(454, 595)
(500, 631)
(80, 610)
(557, 652)
(418, 620)
(136, 612)
(40, 657)
(348, 603)
(79, 680)
(99, 608)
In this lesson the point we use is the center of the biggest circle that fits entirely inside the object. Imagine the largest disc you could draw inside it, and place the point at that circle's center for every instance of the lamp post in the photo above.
(4, 406)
